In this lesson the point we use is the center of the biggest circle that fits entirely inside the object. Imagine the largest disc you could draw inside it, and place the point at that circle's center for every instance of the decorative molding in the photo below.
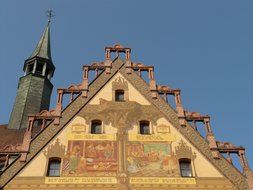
(120, 84)
(120, 114)
(36, 183)
(184, 151)
(55, 150)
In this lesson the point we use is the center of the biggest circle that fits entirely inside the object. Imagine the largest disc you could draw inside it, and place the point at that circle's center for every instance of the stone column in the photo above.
(44, 121)
(27, 139)
(128, 62)
(85, 82)
(246, 170)
(108, 61)
(34, 67)
(229, 159)
(59, 100)
(211, 138)
(122, 171)
(243, 159)
(180, 109)
(152, 83)
(44, 69)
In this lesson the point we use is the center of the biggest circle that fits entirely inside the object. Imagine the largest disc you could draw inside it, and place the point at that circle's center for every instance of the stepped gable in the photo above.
(178, 117)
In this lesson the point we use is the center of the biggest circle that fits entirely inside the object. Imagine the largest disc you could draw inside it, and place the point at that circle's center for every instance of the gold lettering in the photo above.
(77, 136)
(80, 180)
(156, 180)
(167, 137)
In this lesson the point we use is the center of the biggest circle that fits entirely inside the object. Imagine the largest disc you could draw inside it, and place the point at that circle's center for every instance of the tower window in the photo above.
(30, 68)
(39, 68)
(185, 167)
(96, 127)
(119, 96)
(54, 167)
(144, 128)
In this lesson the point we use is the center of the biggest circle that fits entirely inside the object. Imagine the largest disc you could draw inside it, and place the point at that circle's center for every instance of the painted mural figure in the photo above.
(84, 157)
(108, 151)
(150, 159)
(74, 158)
(82, 165)
(132, 165)
(91, 151)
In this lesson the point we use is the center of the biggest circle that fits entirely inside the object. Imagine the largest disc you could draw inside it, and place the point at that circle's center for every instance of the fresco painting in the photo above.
(89, 156)
(151, 159)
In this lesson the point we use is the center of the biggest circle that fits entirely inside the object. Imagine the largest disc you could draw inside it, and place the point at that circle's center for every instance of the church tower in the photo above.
(34, 88)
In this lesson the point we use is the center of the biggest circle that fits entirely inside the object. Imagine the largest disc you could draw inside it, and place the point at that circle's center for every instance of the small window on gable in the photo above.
(144, 127)
(119, 96)
(185, 167)
(96, 127)
(54, 166)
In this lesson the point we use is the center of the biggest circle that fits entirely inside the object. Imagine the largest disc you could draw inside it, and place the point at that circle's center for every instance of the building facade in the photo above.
(118, 132)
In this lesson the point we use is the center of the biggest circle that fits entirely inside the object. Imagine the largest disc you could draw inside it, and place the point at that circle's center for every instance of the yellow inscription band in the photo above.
(158, 180)
(113, 180)
(75, 136)
(157, 137)
(80, 180)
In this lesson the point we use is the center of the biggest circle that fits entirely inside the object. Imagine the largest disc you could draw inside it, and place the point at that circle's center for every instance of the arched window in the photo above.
(119, 96)
(144, 127)
(96, 127)
(185, 167)
(54, 166)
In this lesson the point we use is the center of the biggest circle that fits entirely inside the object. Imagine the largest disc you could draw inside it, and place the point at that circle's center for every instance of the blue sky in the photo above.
(203, 47)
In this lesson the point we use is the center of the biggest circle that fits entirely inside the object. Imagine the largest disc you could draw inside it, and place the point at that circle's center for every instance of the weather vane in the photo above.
(50, 14)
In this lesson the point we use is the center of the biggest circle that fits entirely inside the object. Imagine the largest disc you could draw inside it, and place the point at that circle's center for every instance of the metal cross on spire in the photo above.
(50, 13)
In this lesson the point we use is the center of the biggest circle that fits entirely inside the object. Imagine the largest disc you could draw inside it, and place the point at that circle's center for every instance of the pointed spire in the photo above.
(43, 48)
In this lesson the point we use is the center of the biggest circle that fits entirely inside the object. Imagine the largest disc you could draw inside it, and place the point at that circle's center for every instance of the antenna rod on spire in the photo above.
(50, 14)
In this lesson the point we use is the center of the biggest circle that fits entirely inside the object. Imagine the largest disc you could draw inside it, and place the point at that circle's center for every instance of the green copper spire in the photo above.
(43, 48)
(34, 88)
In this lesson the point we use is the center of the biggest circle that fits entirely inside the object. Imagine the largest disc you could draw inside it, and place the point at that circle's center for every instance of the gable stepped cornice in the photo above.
(50, 131)
(149, 91)
(188, 132)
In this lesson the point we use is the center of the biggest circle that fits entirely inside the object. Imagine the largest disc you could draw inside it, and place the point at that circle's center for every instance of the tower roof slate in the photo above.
(43, 48)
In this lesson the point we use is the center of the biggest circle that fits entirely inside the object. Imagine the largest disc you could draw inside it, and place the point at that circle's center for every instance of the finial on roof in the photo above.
(50, 14)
